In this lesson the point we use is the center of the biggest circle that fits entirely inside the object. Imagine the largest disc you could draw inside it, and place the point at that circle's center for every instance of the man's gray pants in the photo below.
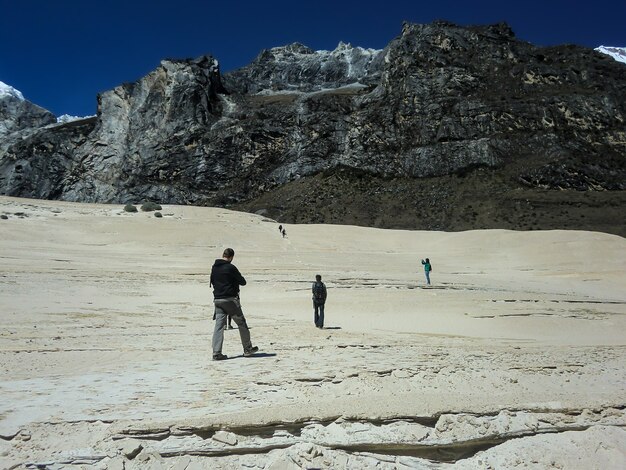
(224, 308)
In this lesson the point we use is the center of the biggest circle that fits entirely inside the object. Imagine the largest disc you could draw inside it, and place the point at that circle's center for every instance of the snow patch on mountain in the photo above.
(7, 90)
(618, 53)
(67, 118)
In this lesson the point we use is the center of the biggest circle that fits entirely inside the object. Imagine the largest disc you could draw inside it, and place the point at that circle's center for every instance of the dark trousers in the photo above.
(319, 314)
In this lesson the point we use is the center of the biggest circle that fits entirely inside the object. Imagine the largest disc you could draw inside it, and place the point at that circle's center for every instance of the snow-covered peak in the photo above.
(618, 53)
(7, 90)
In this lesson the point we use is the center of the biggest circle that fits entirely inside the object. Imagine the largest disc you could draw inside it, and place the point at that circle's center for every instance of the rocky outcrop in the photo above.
(18, 116)
(43, 162)
(437, 104)
(297, 68)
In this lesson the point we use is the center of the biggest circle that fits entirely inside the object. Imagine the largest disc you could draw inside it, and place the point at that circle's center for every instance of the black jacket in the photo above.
(225, 279)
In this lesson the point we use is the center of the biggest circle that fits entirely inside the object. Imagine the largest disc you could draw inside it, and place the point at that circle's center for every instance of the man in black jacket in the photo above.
(226, 279)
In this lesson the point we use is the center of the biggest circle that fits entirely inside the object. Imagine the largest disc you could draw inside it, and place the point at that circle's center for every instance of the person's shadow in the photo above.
(261, 354)
(332, 328)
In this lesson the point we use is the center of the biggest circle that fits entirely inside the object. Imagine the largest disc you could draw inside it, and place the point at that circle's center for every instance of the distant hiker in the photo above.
(427, 269)
(319, 299)
(284, 232)
(280, 228)
(226, 279)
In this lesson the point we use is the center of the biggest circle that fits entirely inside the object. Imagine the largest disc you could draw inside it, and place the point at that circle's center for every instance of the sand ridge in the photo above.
(106, 328)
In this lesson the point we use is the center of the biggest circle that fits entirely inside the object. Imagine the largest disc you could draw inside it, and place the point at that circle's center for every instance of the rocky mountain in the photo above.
(18, 115)
(296, 68)
(448, 127)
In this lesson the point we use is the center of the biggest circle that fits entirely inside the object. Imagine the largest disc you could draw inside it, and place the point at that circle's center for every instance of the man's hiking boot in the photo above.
(251, 351)
(219, 357)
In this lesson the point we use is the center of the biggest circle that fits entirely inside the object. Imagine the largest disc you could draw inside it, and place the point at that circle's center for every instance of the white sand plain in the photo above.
(514, 358)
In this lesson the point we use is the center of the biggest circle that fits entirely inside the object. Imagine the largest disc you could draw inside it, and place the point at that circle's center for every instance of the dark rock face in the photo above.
(42, 164)
(440, 105)
(18, 114)
(19, 117)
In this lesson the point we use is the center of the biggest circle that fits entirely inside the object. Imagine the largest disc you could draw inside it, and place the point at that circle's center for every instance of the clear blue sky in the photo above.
(61, 53)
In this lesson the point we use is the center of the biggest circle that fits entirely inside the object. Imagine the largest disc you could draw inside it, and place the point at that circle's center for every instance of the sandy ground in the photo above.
(513, 358)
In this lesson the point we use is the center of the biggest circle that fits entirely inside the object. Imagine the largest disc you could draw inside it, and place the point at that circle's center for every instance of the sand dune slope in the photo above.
(514, 357)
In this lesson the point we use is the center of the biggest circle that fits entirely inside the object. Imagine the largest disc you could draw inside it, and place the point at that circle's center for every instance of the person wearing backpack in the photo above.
(319, 299)
(427, 269)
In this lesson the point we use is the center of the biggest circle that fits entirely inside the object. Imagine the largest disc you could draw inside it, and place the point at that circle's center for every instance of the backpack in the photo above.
(319, 291)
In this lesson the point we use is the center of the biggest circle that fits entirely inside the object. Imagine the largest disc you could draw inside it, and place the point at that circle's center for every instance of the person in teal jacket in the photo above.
(427, 269)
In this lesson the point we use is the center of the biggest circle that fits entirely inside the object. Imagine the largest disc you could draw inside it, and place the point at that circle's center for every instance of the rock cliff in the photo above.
(19, 116)
(448, 128)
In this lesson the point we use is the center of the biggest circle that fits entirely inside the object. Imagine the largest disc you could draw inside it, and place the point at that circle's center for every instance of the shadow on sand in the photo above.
(261, 355)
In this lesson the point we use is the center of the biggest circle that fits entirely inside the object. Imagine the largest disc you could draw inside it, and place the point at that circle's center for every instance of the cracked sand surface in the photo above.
(514, 357)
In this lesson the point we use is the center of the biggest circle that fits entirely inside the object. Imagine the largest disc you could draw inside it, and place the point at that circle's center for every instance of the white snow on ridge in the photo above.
(7, 90)
(618, 53)
(67, 118)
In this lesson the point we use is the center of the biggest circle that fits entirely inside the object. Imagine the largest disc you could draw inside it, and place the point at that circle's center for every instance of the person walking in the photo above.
(427, 269)
(225, 280)
(319, 299)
